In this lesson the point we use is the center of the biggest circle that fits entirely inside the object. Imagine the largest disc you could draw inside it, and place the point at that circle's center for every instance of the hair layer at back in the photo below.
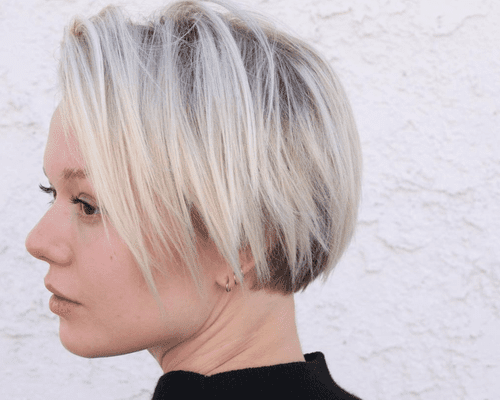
(203, 125)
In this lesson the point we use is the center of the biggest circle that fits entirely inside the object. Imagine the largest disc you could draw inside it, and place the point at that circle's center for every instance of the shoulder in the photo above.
(293, 381)
(320, 384)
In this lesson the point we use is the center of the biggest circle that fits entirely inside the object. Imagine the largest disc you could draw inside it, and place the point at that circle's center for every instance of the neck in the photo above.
(250, 331)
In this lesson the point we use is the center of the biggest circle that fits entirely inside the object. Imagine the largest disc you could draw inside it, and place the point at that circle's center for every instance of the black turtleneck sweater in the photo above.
(308, 380)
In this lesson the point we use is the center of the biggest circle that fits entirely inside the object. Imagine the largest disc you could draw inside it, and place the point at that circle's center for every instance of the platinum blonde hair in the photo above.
(202, 123)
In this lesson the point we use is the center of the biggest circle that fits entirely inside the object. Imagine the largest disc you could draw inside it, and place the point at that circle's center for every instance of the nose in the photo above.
(49, 239)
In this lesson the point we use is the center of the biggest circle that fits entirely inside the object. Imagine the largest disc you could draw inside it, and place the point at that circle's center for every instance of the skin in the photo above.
(117, 314)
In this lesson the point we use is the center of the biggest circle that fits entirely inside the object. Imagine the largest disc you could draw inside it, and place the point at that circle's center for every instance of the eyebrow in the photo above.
(69, 174)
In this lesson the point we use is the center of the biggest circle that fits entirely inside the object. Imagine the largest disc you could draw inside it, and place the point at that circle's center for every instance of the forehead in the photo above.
(61, 152)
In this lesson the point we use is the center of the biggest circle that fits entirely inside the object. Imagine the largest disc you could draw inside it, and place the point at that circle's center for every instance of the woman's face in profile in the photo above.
(112, 310)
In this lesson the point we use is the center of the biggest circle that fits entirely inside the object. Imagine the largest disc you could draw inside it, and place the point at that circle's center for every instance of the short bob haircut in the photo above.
(208, 123)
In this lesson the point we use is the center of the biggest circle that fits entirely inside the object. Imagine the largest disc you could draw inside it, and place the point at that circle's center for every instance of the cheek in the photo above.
(109, 275)
(120, 313)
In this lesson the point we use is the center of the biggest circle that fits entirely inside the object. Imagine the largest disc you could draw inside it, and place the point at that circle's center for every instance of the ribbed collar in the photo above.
(296, 380)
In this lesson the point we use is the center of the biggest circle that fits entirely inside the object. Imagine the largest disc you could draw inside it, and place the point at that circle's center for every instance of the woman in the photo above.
(204, 167)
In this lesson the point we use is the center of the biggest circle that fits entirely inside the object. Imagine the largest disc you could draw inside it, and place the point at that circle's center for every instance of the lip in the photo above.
(52, 289)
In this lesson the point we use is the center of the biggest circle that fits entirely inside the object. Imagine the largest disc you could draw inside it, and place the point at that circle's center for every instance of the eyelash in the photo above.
(74, 200)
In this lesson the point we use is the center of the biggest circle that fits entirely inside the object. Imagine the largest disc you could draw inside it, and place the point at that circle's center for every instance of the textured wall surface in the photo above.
(413, 310)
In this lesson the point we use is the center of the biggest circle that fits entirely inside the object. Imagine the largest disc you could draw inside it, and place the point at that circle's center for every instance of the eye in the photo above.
(49, 190)
(88, 210)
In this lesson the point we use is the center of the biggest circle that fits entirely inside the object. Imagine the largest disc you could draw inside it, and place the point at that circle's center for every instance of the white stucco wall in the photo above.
(413, 310)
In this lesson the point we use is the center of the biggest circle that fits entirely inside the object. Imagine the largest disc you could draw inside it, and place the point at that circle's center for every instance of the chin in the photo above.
(83, 351)
(93, 344)
(82, 348)
(82, 344)
(87, 350)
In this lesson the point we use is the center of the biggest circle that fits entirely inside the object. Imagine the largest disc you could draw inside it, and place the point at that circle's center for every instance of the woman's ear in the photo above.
(247, 265)
(247, 262)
